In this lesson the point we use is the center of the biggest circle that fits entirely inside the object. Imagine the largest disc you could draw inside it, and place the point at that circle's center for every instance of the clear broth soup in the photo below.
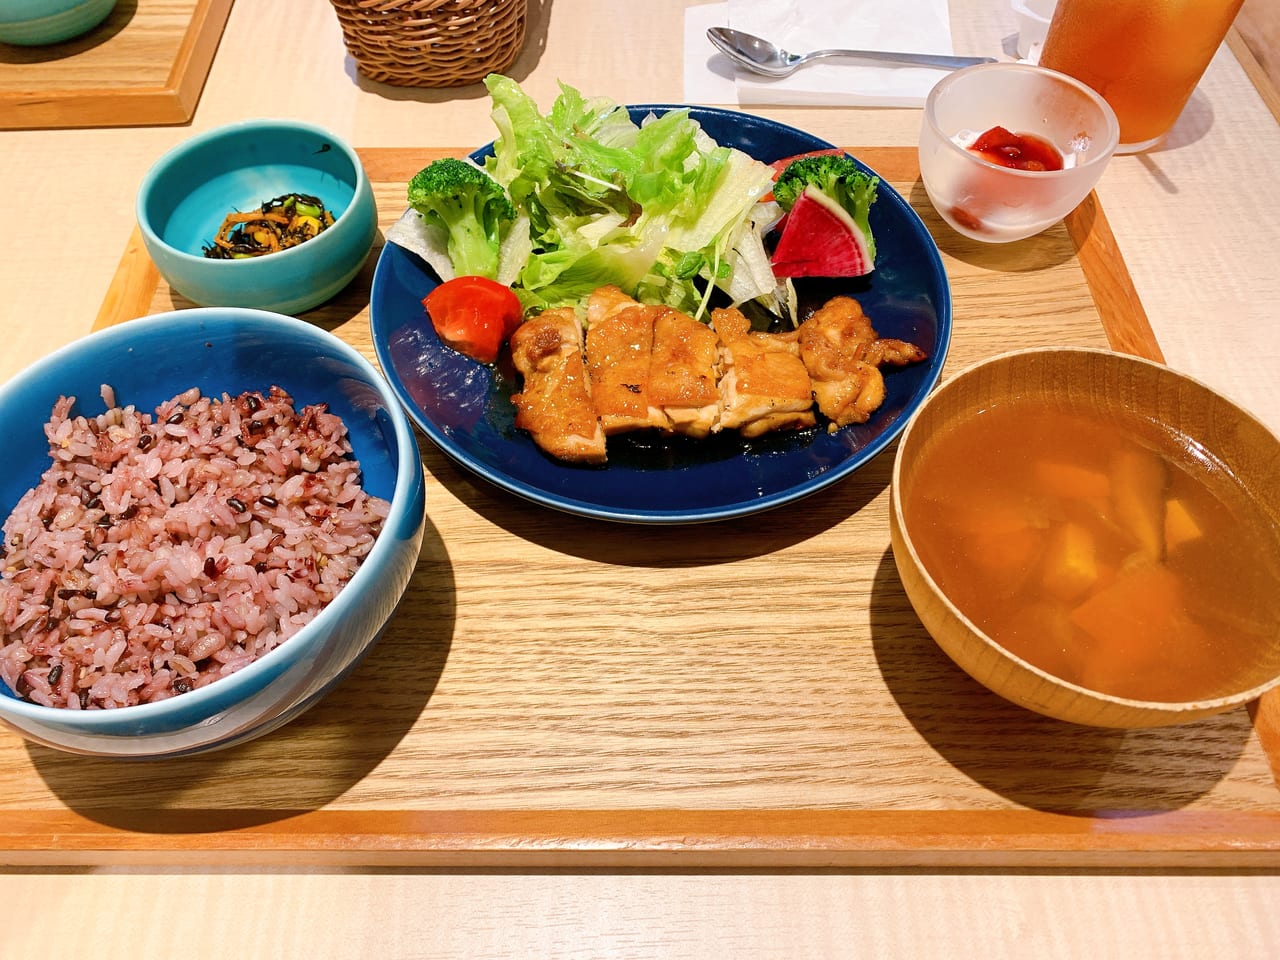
(1115, 555)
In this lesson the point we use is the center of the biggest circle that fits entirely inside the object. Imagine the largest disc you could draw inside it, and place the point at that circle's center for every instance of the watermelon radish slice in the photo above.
(820, 239)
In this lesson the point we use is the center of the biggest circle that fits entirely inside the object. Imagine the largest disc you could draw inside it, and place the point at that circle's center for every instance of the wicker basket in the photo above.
(432, 43)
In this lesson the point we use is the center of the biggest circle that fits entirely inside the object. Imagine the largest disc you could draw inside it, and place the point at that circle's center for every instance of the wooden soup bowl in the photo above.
(1114, 385)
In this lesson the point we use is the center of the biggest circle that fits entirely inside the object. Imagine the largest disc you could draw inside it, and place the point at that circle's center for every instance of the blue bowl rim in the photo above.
(189, 146)
(241, 683)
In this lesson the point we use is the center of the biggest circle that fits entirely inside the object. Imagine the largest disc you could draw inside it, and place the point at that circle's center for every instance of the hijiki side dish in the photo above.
(278, 224)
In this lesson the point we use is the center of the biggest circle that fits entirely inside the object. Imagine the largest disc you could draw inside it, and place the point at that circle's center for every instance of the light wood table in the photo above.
(1195, 222)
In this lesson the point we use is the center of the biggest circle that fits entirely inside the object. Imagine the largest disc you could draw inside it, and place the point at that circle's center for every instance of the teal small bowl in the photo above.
(35, 23)
(186, 195)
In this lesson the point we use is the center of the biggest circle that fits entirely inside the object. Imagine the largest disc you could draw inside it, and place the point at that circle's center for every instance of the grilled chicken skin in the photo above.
(683, 374)
(555, 404)
(763, 383)
(642, 367)
(843, 353)
(619, 341)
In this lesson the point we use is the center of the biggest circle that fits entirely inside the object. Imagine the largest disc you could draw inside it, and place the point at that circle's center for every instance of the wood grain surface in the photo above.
(758, 692)
(145, 64)
(1255, 41)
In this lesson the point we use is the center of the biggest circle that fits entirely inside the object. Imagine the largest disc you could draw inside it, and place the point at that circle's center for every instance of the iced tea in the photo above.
(1144, 56)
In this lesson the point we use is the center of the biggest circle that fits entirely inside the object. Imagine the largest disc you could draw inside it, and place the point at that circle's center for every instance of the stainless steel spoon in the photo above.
(761, 56)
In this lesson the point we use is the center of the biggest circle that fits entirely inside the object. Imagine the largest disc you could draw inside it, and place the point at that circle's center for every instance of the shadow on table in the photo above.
(674, 546)
(1045, 250)
(1030, 759)
(1194, 123)
(304, 765)
(116, 21)
(349, 304)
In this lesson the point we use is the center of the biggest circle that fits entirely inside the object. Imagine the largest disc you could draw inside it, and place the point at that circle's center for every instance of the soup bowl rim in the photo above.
(1205, 706)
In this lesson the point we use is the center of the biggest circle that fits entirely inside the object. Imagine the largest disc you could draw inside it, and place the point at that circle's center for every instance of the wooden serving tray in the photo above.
(754, 693)
(145, 64)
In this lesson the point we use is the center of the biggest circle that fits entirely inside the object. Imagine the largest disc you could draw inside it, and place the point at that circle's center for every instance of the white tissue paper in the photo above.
(910, 26)
(708, 75)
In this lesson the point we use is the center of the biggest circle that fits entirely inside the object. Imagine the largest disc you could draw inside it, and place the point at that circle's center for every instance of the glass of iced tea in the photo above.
(1144, 56)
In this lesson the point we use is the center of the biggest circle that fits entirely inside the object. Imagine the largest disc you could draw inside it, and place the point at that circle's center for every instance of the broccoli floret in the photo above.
(839, 178)
(470, 206)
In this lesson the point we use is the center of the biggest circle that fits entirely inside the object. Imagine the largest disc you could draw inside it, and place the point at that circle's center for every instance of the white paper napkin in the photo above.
(708, 75)
(912, 26)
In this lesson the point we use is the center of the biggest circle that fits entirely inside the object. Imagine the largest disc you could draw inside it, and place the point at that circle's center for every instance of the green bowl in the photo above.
(34, 23)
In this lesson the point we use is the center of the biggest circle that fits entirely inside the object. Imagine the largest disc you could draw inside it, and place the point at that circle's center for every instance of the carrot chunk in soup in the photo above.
(1100, 549)
(1071, 480)
(1071, 562)
(1139, 478)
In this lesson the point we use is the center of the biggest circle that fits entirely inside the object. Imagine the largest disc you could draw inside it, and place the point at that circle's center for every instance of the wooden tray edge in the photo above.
(1241, 38)
(132, 286)
(172, 103)
(1124, 319)
(629, 838)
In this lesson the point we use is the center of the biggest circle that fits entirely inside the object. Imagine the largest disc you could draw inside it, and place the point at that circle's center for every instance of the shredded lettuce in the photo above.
(657, 208)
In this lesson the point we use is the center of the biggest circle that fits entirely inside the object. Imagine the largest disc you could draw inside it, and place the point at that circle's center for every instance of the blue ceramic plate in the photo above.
(465, 407)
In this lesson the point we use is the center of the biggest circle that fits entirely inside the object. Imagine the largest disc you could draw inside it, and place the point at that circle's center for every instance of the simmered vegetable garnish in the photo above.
(282, 222)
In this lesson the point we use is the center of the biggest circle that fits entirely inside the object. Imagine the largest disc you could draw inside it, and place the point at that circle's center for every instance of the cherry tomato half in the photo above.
(474, 315)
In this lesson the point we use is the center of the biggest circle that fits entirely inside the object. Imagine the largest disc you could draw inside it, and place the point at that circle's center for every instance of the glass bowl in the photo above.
(998, 204)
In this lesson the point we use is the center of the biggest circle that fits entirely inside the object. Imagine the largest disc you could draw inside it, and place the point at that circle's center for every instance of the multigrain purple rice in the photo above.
(161, 552)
